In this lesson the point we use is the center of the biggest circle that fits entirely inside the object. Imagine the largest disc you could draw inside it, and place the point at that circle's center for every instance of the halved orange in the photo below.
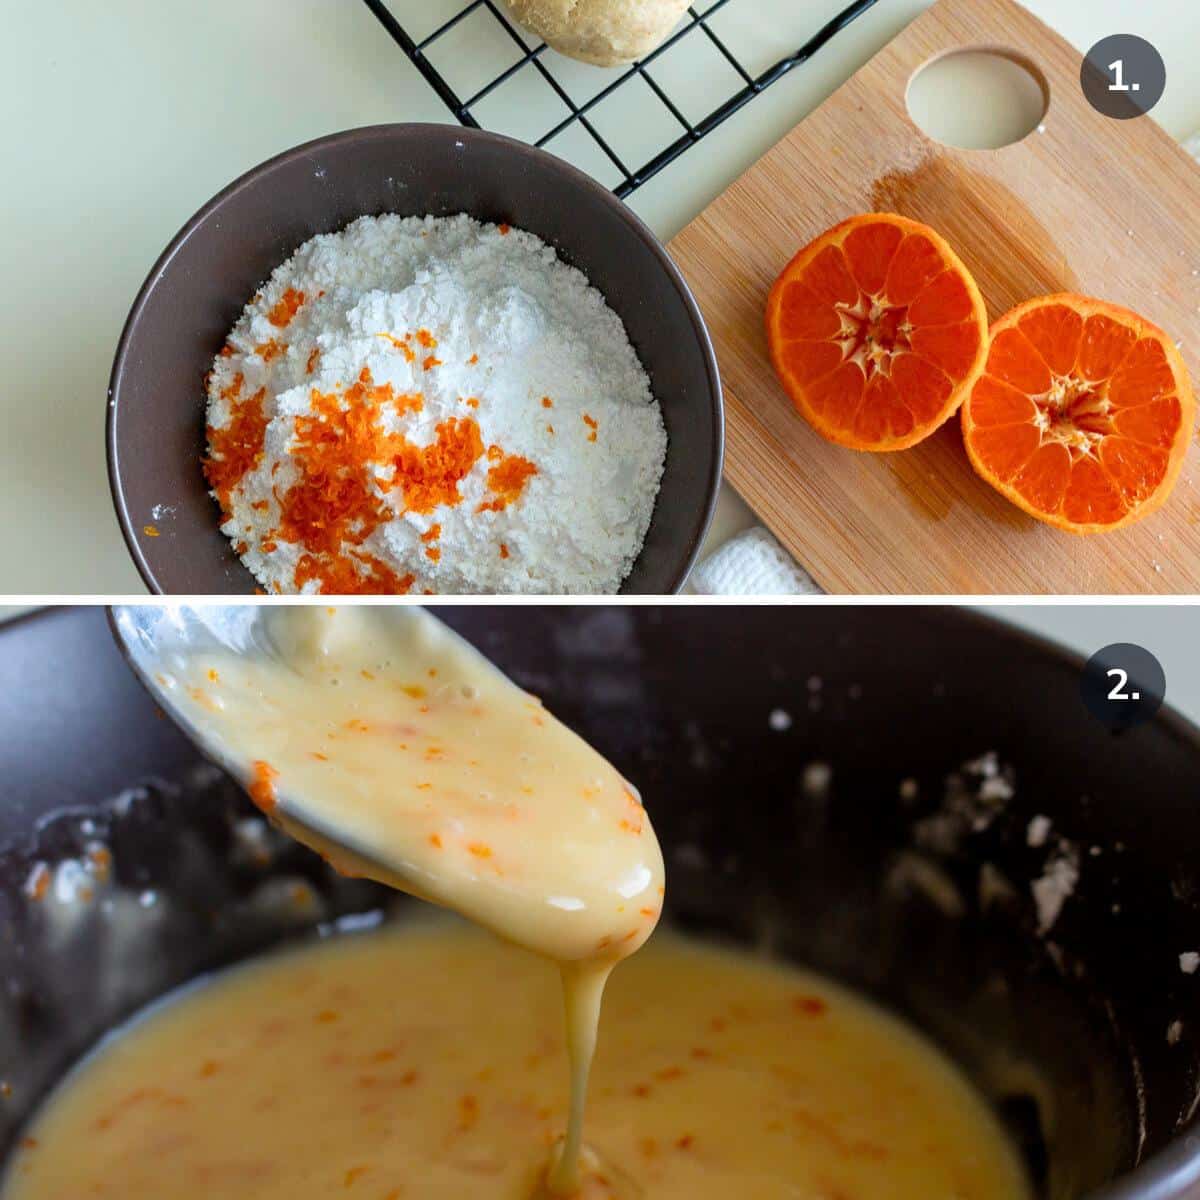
(877, 332)
(1083, 414)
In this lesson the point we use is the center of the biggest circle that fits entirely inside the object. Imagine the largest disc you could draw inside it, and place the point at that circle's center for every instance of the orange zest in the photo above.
(358, 574)
(333, 500)
(286, 308)
(262, 787)
(1083, 415)
(430, 475)
(237, 447)
(877, 332)
(506, 479)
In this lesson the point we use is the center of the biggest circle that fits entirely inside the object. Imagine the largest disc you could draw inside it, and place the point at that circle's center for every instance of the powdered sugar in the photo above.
(547, 478)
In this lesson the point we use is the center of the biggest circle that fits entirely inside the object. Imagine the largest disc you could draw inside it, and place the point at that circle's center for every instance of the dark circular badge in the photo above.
(1123, 76)
(1123, 685)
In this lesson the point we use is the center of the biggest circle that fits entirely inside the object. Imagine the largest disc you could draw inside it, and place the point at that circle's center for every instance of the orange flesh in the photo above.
(1083, 414)
(876, 331)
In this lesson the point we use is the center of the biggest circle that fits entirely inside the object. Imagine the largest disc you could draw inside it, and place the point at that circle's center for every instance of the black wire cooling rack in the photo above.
(575, 111)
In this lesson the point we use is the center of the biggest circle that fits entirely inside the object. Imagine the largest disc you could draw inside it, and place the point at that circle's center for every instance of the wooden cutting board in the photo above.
(1089, 204)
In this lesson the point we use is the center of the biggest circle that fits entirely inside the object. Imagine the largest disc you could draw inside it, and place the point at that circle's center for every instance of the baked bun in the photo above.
(605, 32)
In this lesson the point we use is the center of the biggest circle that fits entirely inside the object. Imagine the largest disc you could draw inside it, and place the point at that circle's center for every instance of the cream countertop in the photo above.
(125, 117)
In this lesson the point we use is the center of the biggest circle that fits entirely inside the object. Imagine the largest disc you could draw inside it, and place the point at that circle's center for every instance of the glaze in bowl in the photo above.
(852, 841)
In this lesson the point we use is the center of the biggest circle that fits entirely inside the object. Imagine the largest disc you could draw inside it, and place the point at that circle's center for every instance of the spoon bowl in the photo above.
(156, 640)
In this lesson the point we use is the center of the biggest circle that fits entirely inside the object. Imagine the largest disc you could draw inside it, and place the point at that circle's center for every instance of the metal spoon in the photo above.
(157, 640)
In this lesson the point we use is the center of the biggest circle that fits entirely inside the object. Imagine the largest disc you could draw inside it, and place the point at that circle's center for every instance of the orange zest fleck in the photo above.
(480, 849)
(432, 533)
(505, 229)
(434, 554)
(335, 500)
(401, 344)
(286, 308)
(313, 356)
(547, 402)
(150, 531)
(472, 360)
(468, 1112)
(472, 401)
(262, 789)
(593, 425)
(430, 475)
(354, 1174)
(227, 351)
(506, 479)
(236, 448)
(431, 362)
(810, 1006)
(426, 339)
(415, 690)
(38, 883)
(269, 350)
(359, 574)
(503, 550)
(435, 841)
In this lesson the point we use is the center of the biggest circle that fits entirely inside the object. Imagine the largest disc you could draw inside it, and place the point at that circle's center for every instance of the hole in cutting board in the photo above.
(978, 99)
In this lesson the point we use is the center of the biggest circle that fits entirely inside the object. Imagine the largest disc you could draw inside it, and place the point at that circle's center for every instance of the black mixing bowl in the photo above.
(823, 784)
(196, 290)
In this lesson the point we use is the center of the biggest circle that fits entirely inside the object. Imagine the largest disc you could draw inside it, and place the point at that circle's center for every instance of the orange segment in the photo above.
(1083, 414)
(877, 332)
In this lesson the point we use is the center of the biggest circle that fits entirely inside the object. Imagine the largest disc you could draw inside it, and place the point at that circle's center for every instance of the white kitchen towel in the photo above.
(752, 564)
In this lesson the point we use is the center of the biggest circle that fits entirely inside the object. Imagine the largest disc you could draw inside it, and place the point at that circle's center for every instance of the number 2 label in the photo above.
(1118, 692)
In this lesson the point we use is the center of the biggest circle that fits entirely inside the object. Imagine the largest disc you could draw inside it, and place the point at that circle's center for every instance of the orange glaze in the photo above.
(425, 1062)
(441, 777)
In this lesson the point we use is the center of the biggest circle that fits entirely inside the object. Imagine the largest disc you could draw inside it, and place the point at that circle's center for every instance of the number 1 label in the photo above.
(1118, 70)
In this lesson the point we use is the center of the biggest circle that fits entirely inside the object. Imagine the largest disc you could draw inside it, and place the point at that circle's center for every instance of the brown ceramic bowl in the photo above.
(197, 289)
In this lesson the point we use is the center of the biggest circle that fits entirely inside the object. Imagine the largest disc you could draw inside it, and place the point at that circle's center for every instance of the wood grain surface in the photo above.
(1089, 204)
